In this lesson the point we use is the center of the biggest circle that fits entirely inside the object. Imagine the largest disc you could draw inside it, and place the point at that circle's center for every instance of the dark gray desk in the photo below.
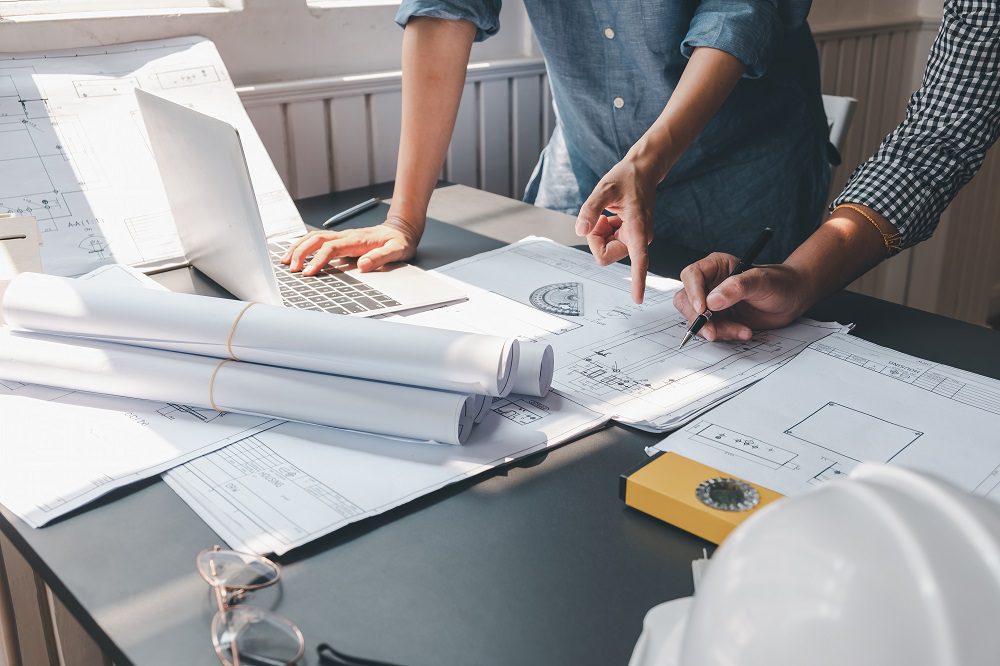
(538, 563)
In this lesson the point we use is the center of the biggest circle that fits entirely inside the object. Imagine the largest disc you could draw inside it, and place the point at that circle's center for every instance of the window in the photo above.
(30, 7)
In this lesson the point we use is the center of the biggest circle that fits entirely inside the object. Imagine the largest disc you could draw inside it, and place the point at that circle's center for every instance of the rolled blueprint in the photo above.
(234, 386)
(534, 370)
(267, 334)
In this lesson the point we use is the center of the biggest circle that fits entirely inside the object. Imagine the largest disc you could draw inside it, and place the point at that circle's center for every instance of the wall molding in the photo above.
(307, 90)
(852, 29)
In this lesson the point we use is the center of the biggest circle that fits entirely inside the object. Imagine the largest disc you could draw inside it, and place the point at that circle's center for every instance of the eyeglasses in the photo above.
(246, 635)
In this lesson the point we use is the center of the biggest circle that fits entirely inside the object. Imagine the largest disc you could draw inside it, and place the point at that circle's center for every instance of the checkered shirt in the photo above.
(951, 121)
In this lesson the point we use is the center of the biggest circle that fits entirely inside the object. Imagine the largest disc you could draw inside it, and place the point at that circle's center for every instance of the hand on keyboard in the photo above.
(393, 240)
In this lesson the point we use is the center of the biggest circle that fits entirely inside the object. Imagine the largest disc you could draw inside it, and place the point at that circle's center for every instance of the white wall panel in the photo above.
(527, 128)
(349, 149)
(308, 148)
(270, 124)
(495, 136)
(383, 126)
(463, 154)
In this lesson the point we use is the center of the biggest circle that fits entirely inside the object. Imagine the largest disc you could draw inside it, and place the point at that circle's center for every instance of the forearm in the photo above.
(843, 248)
(708, 79)
(435, 58)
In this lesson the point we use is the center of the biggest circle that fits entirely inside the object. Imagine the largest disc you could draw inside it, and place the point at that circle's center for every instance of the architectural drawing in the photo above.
(172, 411)
(620, 358)
(286, 486)
(522, 412)
(845, 401)
(853, 434)
(97, 206)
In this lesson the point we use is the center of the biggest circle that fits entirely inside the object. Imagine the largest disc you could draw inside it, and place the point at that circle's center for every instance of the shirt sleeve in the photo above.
(485, 15)
(745, 29)
(951, 121)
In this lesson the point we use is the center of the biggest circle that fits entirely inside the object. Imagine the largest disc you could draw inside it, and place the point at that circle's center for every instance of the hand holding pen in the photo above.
(719, 272)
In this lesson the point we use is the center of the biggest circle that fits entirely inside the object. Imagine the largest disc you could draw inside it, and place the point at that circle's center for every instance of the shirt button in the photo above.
(619, 102)
(609, 32)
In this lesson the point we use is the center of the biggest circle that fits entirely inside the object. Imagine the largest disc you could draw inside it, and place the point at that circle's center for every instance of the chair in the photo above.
(839, 112)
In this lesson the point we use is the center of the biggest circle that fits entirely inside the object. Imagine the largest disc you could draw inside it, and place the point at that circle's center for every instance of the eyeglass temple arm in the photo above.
(330, 656)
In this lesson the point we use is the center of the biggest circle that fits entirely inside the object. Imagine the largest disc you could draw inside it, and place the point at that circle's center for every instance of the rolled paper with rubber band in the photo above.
(234, 386)
(265, 334)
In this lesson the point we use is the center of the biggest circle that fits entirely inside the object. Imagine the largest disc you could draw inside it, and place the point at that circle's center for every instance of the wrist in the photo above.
(408, 217)
(410, 229)
(651, 160)
(804, 284)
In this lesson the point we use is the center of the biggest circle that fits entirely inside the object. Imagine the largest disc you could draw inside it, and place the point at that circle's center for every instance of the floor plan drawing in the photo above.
(283, 487)
(853, 433)
(76, 454)
(98, 206)
(615, 356)
(172, 411)
(844, 401)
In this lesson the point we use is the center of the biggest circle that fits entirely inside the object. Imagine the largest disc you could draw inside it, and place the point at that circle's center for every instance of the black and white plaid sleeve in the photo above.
(951, 121)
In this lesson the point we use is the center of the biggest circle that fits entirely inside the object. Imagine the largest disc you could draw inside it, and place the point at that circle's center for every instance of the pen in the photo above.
(743, 264)
(351, 212)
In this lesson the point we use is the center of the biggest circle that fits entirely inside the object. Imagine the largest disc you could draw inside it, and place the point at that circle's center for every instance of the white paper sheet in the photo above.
(247, 388)
(267, 334)
(63, 449)
(843, 401)
(280, 489)
(611, 355)
(74, 151)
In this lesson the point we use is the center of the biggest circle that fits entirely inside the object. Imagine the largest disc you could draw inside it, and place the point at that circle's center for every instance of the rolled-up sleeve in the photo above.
(747, 30)
(951, 121)
(485, 15)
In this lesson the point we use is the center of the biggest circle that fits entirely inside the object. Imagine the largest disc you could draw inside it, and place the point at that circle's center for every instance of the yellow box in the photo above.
(666, 488)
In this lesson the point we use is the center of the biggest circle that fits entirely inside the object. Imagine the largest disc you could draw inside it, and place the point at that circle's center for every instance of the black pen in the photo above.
(743, 264)
(351, 212)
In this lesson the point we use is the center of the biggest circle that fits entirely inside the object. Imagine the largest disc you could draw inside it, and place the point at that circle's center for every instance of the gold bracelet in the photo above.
(893, 242)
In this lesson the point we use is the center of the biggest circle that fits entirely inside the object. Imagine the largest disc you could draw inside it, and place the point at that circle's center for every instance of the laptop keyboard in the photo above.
(330, 290)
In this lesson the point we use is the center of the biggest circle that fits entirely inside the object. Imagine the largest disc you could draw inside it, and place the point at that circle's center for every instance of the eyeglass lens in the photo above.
(248, 636)
(235, 570)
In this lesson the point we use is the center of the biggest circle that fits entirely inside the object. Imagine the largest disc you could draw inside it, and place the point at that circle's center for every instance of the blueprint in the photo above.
(611, 355)
(74, 152)
(283, 487)
(844, 401)
(63, 449)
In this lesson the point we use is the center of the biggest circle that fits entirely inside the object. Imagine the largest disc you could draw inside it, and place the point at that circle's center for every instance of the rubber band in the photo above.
(232, 331)
(211, 384)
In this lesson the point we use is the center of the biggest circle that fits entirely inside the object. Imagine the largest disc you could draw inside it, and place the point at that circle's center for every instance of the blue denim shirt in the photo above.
(761, 161)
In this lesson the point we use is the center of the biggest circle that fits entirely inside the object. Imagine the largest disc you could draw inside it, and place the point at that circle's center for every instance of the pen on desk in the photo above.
(742, 265)
(351, 212)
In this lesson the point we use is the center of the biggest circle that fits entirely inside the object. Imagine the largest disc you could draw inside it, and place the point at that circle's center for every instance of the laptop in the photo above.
(207, 182)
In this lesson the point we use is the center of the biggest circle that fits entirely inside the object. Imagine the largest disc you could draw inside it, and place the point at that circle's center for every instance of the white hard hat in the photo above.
(888, 566)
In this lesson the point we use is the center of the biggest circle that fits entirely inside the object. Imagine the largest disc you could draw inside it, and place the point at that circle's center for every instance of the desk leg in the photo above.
(35, 627)
(10, 652)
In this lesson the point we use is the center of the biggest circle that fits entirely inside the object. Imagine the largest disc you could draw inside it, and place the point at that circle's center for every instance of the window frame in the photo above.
(15, 10)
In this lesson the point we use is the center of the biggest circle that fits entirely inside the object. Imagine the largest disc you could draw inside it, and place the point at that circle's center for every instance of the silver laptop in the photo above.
(207, 182)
